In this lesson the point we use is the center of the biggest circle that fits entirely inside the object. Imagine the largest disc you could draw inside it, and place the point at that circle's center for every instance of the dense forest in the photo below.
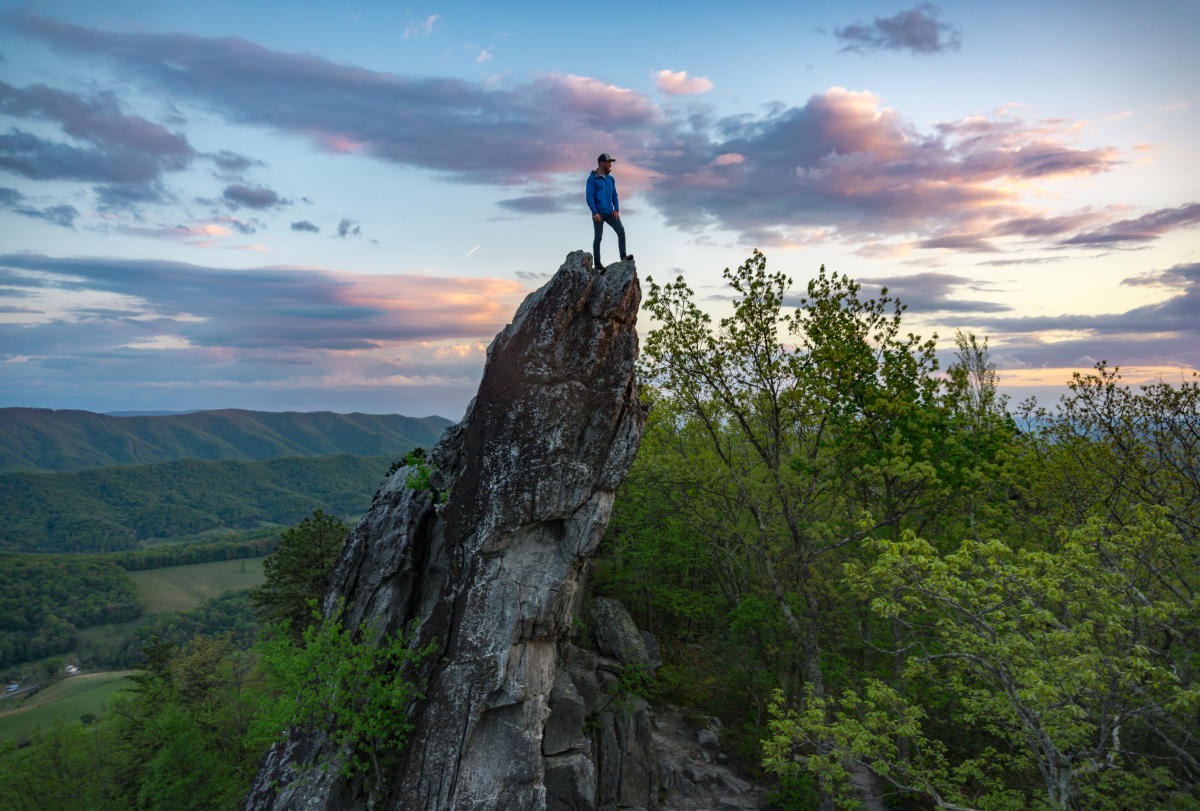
(43, 601)
(878, 573)
(40, 439)
(46, 599)
(117, 508)
(237, 545)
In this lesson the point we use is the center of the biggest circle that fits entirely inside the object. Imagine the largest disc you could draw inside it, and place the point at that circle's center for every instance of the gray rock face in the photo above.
(618, 637)
(642, 757)
(488, 562)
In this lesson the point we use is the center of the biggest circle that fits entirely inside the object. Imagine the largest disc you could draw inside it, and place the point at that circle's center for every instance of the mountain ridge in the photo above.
(121, 507)
(68, 440)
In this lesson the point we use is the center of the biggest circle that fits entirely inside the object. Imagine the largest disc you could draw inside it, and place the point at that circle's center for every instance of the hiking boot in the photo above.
(627, 257)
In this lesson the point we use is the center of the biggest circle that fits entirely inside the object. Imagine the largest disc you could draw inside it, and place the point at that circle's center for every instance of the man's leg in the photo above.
(620, 229)
(598, 229)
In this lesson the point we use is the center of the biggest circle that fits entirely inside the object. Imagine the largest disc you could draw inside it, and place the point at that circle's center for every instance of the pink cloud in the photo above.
(477, 306)
(846, 162)
(677, 83)
(595, 100)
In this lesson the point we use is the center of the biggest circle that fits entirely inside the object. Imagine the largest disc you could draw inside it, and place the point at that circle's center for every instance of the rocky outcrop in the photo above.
(608, 750)
(487, 562)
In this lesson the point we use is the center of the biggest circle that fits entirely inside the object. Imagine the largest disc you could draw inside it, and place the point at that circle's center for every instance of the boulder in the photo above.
(617, 635)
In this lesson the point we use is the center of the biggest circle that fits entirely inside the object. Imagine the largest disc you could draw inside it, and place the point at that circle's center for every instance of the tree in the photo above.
(299, 571)
(1110, 448)
(1074, 668)
(354, 683)
(778, 429)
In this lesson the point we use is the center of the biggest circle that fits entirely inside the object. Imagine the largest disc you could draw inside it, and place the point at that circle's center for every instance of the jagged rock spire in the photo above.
(488, 562)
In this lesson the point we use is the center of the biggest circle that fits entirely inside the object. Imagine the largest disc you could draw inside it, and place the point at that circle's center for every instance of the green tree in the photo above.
(778, 428)
(299, 571)
(356, 684)
(1075, 669)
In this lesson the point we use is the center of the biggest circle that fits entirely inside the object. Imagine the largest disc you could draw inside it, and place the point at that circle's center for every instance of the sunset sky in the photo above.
(303, 206)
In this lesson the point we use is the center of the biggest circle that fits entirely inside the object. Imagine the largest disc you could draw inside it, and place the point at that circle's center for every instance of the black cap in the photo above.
(604, 156)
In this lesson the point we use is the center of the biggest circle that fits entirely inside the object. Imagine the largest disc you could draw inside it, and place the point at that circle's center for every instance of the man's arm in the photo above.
(616, 204)
(590, 194)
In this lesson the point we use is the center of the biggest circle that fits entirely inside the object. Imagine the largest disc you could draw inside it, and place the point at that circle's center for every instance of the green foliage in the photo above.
(177, 740)
(356, 684)
(779, 439)
(43, 439)
(298, 572)
(115, 509)
(242, 545)
(228, 614)
(44, 599)
(633, 681)
(1070, 662)
(59, 769)
(418, 479)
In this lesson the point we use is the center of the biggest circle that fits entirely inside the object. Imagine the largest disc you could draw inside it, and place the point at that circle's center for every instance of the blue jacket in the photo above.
(602, 194)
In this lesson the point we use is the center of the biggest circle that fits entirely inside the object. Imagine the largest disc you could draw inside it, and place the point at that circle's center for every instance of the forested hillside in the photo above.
(43, 600)
(117, 508)
(39, 439)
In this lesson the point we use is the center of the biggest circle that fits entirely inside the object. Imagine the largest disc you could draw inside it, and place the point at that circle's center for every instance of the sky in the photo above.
(318, 206)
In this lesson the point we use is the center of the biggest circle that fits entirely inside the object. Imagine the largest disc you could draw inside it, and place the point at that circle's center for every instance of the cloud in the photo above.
(917, 29)
(131, 195)
(966, 243)
(201, 235)
(846, 163)
(484, 56)
(232, 164)
(842, 164)
(677, 83)
(257, 197)
(305, 225)
(348, 228)
(127, 153)
(1142, 229)
(1166, 333)
(551, 123)
(249, 308)
(932, 292)
(421, 29)
(241, 226)
(12, 200)
(1036, 226)
(543, 203)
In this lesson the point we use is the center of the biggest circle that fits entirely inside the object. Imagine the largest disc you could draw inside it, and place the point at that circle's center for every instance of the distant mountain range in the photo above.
(40, 439)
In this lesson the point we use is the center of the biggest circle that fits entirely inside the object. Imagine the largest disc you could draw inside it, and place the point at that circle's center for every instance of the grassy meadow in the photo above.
(68, 699)
(178, 588)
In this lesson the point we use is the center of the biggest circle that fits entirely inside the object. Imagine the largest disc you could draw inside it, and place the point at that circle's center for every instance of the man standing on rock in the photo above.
(602, 200)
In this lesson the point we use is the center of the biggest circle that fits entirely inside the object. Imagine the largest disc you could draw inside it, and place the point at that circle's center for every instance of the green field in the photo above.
(68, 700)
(111, 631)
(179, 588)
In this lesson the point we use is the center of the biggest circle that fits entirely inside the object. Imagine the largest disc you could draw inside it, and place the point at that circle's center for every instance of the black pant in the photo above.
(599, 229)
